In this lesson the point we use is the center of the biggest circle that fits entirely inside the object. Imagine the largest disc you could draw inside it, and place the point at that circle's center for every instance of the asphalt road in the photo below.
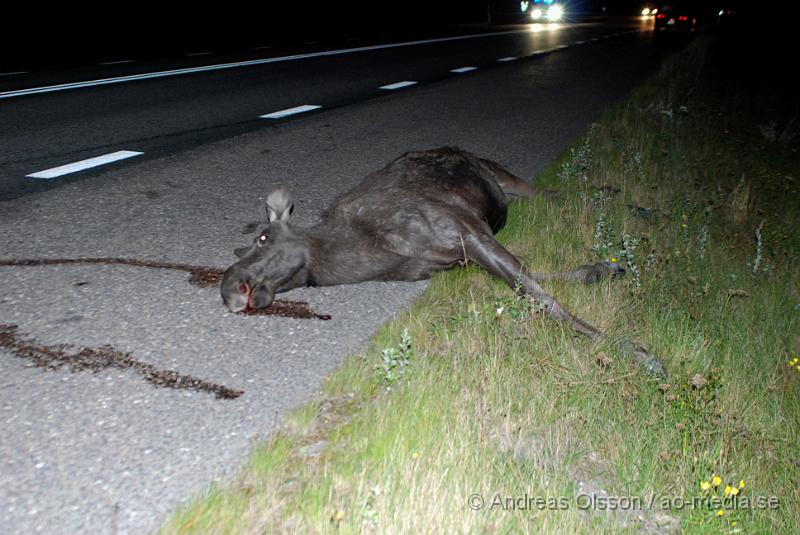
(105, 452)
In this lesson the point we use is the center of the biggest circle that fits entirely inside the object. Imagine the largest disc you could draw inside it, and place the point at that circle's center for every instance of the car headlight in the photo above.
(536, 14)
(646, 11)
(555, 12)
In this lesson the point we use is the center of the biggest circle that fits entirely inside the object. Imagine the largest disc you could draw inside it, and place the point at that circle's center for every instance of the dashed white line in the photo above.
(265, 47)
(195, 54)
(506, 59)
(462, 70)
(13, 73)
(84, 164)
(238, 64)
(118, 62)
(290, 111)
(398, 85)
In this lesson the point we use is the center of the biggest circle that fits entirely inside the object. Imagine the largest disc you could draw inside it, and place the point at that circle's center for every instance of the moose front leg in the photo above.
(485, 251)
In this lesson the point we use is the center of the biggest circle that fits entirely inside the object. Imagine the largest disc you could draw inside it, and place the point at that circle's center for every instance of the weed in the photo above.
(603, 238)
(759, 245)
(629, 245)
(395, 362)
(702, 240)
(576, 168)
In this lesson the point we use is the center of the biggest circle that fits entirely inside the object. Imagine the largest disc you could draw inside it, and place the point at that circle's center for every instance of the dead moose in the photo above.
(425, 212)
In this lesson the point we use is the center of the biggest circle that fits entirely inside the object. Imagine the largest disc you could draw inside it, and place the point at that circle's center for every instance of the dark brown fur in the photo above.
(425, 212)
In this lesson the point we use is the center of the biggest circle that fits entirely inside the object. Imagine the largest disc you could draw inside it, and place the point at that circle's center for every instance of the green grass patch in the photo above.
(487, 417)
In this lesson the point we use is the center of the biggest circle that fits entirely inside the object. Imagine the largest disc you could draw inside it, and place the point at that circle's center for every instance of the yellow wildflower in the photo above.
(720, 512)
(705, 485)
(339, 515)
(741, 484)
(716, 480)
(728, 490)
(734, 491)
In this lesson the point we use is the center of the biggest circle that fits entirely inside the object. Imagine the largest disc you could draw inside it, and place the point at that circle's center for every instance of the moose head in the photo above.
(274, 263)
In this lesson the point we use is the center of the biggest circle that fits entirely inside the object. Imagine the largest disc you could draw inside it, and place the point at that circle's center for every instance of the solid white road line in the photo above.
(118, 62)
(13, 73)
(462, 70)
(398, 85)
(507, 58)
(290, 111)
(84, 164)
(221, 66)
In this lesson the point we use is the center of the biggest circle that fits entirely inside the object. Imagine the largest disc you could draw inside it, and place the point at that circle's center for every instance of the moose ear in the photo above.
(240, 252)
(279, 205)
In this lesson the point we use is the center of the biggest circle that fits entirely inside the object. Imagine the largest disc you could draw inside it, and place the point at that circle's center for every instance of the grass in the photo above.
(484, 421)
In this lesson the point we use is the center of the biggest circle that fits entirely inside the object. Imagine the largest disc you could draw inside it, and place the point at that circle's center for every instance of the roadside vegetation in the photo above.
(471, 412)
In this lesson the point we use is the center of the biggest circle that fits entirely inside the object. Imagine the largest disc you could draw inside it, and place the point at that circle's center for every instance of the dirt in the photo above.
(53, 357)
(205, 277)
(202, 276)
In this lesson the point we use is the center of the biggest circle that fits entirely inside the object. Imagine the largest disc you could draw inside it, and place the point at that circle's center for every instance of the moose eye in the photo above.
(262, 239)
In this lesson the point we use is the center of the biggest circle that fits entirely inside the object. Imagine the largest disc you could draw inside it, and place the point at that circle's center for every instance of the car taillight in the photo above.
(683, 17)
(660, 16)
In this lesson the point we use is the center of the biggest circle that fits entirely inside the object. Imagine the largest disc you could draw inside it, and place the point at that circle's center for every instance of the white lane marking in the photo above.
(559, 47)
(195, 54)
(13, 73)
(265, 47)
(462, 70)
(398, 85)
(84, 164)
(507, 58)
(580, 42)
(118, 62)
(290, 111)
(221, 66)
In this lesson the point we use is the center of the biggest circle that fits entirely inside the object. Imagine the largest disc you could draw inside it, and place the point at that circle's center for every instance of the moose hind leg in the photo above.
(587, 274)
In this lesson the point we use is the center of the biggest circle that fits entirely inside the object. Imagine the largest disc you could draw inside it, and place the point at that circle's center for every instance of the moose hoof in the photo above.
(615, 269)
(650, 363)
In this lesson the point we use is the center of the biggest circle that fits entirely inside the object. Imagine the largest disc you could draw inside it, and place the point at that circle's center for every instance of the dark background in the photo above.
(67, 33)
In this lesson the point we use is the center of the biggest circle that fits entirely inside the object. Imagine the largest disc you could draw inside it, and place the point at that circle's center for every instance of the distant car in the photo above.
(542, 10)
(677, 16)
(649, 10)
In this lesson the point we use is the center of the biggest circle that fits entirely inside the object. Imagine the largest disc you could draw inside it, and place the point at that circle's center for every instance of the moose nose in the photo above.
(261, 296)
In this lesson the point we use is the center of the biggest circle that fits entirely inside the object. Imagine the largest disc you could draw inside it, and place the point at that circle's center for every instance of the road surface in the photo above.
(108, 451)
